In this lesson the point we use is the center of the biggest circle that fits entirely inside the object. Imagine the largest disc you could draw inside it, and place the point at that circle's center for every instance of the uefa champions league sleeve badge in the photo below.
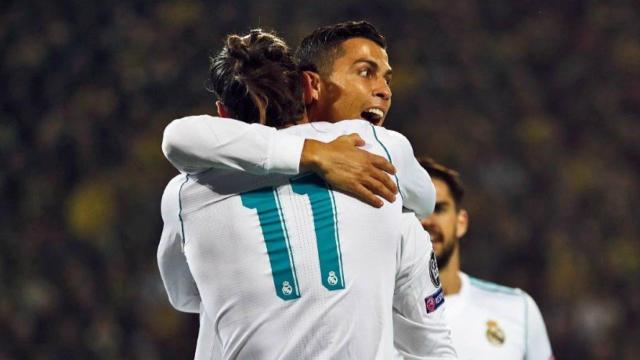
(433, 270)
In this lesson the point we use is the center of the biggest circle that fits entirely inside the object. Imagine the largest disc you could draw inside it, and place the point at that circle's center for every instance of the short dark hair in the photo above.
(318, 50)
(449, 176)
(256, 78)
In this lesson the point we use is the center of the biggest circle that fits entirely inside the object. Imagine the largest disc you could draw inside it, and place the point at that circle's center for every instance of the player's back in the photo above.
(287, 268)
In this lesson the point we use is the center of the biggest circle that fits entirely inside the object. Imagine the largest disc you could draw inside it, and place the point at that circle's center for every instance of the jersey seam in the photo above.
(337, 233)
(286, 237)
(375, 135)
(180, 211)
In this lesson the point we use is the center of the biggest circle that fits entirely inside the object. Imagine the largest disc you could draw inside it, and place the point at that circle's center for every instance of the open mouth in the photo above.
(373, 115)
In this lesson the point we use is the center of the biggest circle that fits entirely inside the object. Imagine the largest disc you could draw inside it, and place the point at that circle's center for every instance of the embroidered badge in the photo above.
(433, 270)
(494, 333)
(433, 302)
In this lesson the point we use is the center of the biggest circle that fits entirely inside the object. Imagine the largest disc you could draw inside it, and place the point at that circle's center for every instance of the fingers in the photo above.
(379, 188)
(355, 139)
(385, 180)
(365, 195)
(383, 164)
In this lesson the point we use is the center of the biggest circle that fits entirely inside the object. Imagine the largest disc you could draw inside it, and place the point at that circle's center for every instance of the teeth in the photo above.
(377, 112)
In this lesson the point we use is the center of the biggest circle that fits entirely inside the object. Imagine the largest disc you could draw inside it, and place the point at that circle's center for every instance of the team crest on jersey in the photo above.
(494, 333)
(286, 288)
(433, 270)
(433, 302)
(332, 279)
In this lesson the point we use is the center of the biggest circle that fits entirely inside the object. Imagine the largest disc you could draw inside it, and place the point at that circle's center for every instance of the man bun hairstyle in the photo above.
(257, 80)
(318, 50)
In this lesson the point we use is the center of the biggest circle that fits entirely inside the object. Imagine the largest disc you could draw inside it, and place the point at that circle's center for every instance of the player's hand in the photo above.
(350, 169)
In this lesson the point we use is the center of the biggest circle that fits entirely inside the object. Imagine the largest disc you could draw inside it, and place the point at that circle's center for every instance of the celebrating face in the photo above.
(358, 85)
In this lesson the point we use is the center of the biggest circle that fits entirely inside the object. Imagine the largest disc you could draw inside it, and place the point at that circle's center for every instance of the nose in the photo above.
(428, 223)
(382, 90)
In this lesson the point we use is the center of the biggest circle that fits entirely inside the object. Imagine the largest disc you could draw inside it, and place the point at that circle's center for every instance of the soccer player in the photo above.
(285, 266)
(488, 321)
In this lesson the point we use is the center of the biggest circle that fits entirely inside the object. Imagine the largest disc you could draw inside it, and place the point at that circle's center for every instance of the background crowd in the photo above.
(536, 103)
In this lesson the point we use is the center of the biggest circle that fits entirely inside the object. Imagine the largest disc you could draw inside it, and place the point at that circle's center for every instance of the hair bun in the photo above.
(256, 78)
(237, 48)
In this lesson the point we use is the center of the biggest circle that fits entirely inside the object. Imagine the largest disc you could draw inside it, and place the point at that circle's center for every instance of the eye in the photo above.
(365, 72)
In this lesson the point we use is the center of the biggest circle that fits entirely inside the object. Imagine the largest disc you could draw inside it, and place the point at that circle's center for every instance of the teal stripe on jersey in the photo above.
(335, 220)
(493, 287)
(273, 231)
(180, 210)
(324, 224)
(286, 238)
(375, 135)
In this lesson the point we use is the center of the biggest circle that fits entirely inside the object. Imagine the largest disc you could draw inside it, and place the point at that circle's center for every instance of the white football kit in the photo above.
(490, 321)
(284, 266)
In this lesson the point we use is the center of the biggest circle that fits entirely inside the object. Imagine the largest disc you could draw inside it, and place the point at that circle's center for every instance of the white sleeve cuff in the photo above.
(285, 151)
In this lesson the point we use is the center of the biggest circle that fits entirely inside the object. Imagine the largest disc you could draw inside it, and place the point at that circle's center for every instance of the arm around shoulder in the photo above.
(197, 143)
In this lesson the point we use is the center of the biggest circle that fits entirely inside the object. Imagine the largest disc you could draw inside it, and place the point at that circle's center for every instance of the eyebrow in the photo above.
(375, 66)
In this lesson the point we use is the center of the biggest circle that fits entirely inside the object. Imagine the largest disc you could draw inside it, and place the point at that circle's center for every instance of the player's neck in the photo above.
(449, 277)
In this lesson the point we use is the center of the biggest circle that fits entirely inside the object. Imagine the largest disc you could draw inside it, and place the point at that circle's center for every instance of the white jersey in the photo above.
(284, 265)
(491, 321)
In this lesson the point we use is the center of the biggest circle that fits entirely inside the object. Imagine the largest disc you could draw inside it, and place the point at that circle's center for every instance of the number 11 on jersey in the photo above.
(274, 231)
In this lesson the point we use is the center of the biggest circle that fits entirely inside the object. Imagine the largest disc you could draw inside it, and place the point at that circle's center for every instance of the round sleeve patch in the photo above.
(433, 270)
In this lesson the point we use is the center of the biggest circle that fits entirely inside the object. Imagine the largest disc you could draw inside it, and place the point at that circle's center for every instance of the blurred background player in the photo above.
(488, 321)
(275, 305)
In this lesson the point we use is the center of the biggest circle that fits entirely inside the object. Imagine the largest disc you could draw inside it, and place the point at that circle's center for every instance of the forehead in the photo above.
(356, 49)
(443, 193)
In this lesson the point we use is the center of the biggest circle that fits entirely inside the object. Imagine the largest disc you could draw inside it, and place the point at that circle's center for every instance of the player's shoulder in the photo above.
(393, 141)
(186, 120)
(176, 181)
(170, 196)
(197, 117)
(492, 289)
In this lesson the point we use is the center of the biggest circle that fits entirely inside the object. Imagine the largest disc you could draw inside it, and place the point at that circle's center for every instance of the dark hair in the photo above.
(319, 49)
(449, 176)
(256, 79)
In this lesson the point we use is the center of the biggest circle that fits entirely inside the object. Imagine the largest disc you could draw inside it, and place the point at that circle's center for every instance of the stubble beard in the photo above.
(445, 255)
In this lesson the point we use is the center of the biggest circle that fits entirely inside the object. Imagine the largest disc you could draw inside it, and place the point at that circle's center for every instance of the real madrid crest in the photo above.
(433, 270)
(494, 333)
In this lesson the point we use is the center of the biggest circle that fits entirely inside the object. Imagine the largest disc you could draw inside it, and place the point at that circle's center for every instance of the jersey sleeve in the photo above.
(197, 143)
(177, 279)
(420, 331)
(538, 345)
(414, 183)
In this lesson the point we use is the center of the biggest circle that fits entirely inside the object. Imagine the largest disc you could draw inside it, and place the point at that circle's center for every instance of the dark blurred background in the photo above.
(537, 103)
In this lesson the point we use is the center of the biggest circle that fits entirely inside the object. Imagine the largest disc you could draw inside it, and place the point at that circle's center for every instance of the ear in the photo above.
(462, 222)
(310, 86)
(222, 111)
